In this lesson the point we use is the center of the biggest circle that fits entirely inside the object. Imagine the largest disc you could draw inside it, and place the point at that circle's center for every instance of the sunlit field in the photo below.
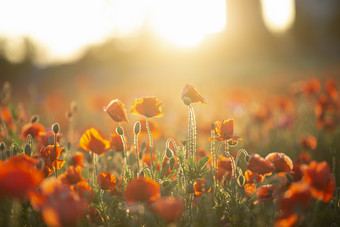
(169, 113)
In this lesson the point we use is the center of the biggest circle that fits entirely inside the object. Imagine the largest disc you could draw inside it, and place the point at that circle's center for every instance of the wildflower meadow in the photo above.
(273, 162)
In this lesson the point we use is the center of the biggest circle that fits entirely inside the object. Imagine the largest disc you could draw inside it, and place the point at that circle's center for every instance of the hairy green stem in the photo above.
(150, 142)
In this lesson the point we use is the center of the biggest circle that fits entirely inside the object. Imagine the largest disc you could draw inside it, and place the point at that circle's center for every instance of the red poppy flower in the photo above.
(225, 130)
(45, 135)
(118, 189)
(282, 163)
(259, 165)
(77, 159)
(296, 198)
(94, 140)
(330, 87)
(18, 176)
(265, 193)
(7, 117)
(251, 177)
(50, 158)
(201, 186)
(311, 86)
(142, 190)
(169, 209)
(84, 190)
(117, 111)
(116, 143)
(250, 188)
(303, 157)
(31, 128)
(60, 206)
(308, 142)
(190, 92)
(106, 181)
(147, 106)
(72, 175)
(321, 181)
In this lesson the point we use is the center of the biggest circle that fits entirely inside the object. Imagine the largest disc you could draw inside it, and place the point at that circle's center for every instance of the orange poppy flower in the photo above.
(94, 140)
(265, 193)
(31, 128)
(18, 159)
(116, 143)
(311, 86)
(259, 165)
(201, 186)
(84, 190)
(190, 92)
(308, 142)
(45, 135)
(72, 175)
(250, 188)
(225, 130)
(106, 181)
(77, 159)
(118, 189)
(282, 163)
(117, 111)
(51, 159)
(60, 205)
(253, 177)
(18, 177)
(303, 157)
(330, 87)
(169, 209)
(147, 106)
(7, 117)
(142, 190)
(321, 181)
(296, 198)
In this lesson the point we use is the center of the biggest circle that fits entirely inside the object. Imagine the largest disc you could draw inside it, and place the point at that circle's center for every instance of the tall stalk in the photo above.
(150, 142)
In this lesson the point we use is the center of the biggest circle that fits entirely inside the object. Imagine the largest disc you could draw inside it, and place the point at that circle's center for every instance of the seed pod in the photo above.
(68, 145)
(28, 150)
(169, 153)
(34, 118)
(241, 180)
(172, 163)
(212, 126)
(120, 131)
(137, 128)
(187, 101)
(2, 146)
(289, 178)
(55, 128)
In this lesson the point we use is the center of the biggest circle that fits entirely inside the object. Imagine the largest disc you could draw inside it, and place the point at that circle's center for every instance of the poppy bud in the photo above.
(142, 147)
(172, 163)
(34, 118)
(241, 180)
(137, 128)
(212, 126)
(8, 154)
(2, 146)
(142, 173)
(189, 188)
(68, 114)
(55, 128)
(50, 140)
(120, 131)
(187, 101)
(289, 178)
(28, 149)
(168, 153)
(89, 157)
(184, 142)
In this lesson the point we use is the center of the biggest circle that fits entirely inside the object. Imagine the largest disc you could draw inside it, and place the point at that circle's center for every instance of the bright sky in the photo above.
(64, 27)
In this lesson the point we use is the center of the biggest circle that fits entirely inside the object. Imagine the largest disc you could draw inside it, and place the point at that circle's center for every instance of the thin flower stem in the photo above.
(150, 141)
(233, 169)
(189, 137)
(124, 155)
(194, 132)
(55, 155)
(173, 142)
(135, 141)
(214, 156)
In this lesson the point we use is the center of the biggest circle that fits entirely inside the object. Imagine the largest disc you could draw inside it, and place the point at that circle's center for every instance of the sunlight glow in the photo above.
(278, 15)
(186, 23)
